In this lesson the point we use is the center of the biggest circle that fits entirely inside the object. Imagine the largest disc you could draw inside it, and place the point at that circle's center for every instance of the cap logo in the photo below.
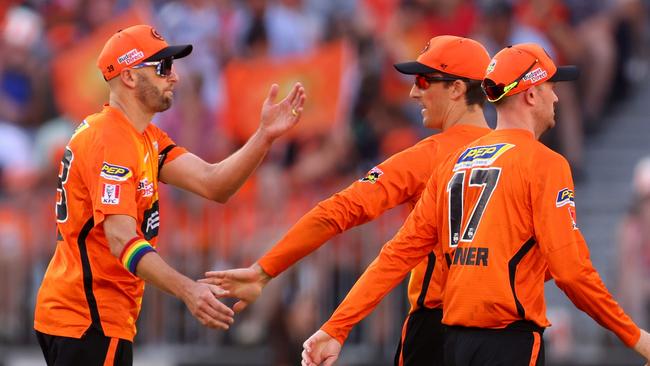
(491, 66)
(443, 66)
(426, 47)
(156, 35)
(130, 57)
(535, 75)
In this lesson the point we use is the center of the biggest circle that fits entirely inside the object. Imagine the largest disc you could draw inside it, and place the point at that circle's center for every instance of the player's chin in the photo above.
(165, 104)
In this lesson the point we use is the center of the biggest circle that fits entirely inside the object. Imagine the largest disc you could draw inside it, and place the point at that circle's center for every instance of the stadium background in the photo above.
(357, 114)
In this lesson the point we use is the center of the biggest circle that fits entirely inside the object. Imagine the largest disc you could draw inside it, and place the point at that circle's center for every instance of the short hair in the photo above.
(474, 94)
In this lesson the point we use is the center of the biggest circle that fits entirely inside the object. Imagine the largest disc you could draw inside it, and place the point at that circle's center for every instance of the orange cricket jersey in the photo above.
(497, 212)
(108, 168)
(510, 215)
(400, 179)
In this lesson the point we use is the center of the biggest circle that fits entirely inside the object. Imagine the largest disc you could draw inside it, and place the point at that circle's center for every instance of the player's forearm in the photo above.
(330, 217)
(576, 276)
(155, 271)
(226, 177)
(305, 237)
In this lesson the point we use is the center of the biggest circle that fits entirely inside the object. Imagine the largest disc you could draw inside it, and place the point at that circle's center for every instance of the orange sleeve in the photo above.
(566, 251)
(397, 180)
(414, 241)
(167, 149)
(111, 176)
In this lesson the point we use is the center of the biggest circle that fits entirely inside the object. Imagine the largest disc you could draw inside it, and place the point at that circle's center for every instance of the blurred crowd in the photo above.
(606, 38)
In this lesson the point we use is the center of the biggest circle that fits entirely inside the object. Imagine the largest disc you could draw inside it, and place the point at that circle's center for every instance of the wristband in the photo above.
(133, 252)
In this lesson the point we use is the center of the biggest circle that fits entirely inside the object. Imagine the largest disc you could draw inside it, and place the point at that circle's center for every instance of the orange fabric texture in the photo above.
(510, 63)
(129, 47)
(515, 206)
(108, 168)
(450, 54)
(398, 180)
(537, 341)
(110, 354)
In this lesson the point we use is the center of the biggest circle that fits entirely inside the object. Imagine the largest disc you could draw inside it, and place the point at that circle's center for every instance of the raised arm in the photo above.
(221, 180)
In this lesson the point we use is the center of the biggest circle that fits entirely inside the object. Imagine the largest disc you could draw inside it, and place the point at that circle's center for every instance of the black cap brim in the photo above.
(413, 68)
(566, 73)
(176, 52)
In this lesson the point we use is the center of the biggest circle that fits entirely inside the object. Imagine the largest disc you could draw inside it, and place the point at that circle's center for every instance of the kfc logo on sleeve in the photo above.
(111, 194)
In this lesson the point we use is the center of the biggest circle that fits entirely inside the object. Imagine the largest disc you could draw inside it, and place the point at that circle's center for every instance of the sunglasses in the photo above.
(423, 82)
(163, 67)
(495, 92)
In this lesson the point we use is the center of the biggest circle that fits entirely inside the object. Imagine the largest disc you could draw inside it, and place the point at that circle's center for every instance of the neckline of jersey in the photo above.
(119, 115)
(514, 131)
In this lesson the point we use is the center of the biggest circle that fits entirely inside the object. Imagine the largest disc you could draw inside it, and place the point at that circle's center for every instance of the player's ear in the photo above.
(128, 77)
(530, 95)
(458, 89)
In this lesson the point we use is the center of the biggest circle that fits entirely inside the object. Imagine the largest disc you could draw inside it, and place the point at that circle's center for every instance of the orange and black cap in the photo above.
(133, 45)
(518, 67)
(458, 56)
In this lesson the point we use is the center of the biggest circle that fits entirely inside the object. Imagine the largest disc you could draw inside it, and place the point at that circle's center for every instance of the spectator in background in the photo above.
(634, 243)
(22, 71)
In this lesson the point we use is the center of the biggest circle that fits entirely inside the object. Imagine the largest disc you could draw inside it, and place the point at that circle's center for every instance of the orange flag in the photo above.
(322, 73)
(79, 87)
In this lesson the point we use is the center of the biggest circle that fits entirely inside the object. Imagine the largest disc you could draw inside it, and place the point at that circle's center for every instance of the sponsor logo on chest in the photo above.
(145, 187)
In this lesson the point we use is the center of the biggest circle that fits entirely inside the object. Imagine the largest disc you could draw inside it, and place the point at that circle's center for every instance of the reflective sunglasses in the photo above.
(496, 92)
(163, 67)
(423, 82)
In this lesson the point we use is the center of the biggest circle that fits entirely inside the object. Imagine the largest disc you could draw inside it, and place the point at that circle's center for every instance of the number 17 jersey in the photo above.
(505, 213)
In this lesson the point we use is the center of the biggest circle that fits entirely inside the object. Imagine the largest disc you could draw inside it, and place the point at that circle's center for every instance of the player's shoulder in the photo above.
(543, 155)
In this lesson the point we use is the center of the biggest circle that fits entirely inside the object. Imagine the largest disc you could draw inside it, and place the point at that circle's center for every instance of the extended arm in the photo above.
(199, 298)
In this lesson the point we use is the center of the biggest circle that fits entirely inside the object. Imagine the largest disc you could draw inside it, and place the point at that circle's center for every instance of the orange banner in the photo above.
(322, 73)
(79, 87)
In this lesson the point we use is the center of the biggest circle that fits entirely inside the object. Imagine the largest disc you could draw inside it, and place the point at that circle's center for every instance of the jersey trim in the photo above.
(88, 274)
(512, 269)
(431, 264)
(162, 156)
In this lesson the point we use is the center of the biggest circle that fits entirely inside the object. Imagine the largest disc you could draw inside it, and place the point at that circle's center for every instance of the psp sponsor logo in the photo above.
(115, 172)
(130, 57)
(372, 176)
(481, 155)
(565, 197)
(111, 194)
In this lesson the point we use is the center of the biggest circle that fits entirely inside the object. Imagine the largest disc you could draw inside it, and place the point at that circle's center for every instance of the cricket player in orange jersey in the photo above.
(107, 206)
(499, 213)
(447, 84)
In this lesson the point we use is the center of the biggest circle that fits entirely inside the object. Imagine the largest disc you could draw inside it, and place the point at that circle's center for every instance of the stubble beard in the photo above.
(152, 98)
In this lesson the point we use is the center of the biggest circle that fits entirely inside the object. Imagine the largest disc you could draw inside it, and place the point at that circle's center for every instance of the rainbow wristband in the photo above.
(133, 252)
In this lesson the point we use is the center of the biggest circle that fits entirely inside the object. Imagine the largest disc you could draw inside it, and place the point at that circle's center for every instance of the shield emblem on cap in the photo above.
(156, 35)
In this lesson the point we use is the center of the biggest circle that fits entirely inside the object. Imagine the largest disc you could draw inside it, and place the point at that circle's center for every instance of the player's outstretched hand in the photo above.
(642, 346)
(245, 284)
(320, 349)
(201, 300)
(278, 118)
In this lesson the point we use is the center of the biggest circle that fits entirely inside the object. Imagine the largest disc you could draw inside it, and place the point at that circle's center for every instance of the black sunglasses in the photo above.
(494, 92)
(163, 67)
(423, 82)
